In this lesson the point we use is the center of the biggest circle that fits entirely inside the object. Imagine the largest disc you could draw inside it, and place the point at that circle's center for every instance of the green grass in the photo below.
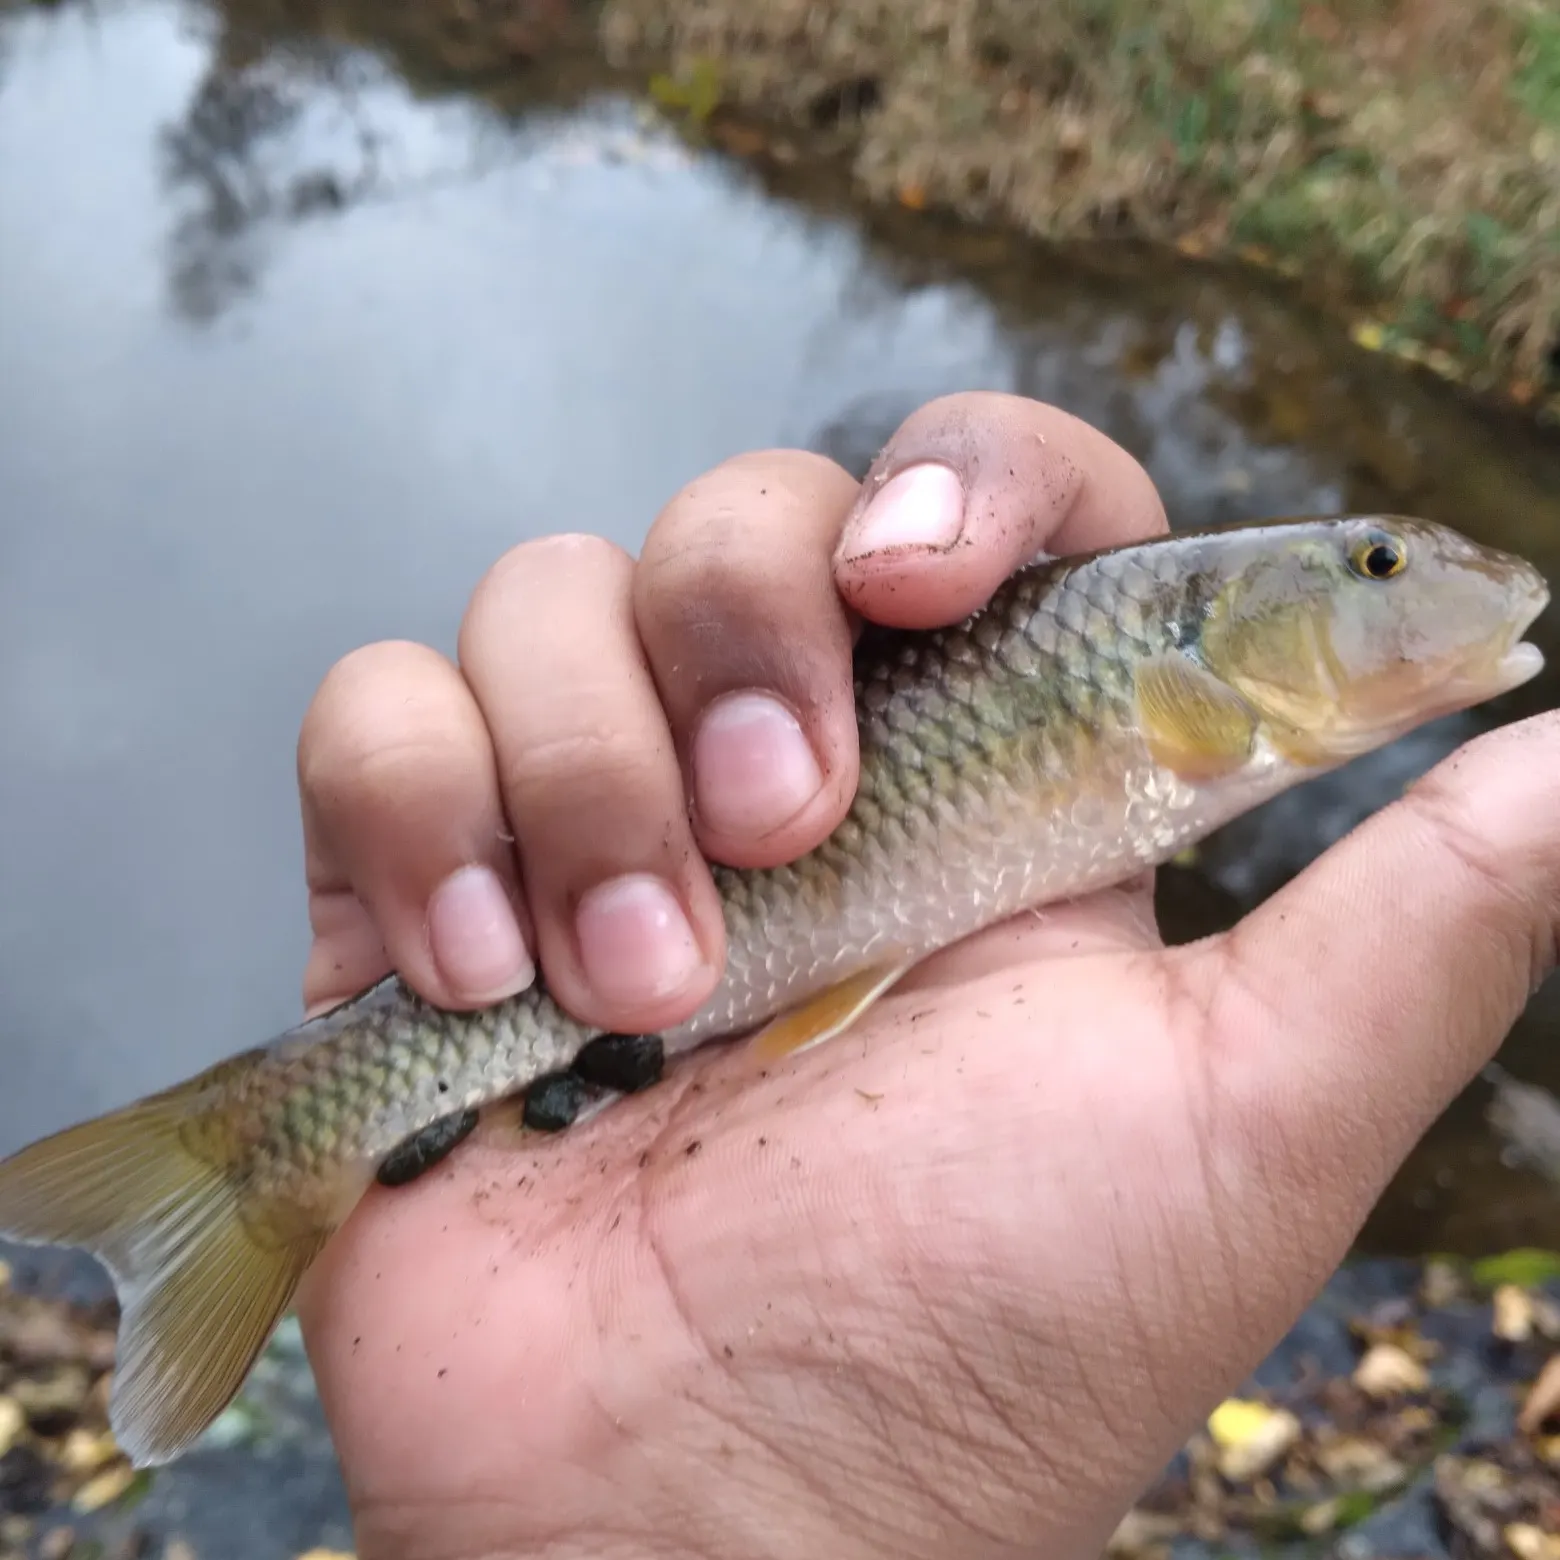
(1535, 85)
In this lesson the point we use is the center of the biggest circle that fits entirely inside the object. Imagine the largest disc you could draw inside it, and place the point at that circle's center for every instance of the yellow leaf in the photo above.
(1368, 334)
(105, 1488)
(1528, 1542)
(12, 1422)
(1251, 1437)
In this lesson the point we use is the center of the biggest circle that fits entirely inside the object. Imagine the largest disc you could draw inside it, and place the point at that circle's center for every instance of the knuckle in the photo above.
(360, 707)
(588, 765)
(375, 771)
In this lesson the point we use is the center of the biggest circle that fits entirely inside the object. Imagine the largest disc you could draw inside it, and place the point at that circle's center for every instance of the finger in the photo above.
(406, 849)
(629, 931)
(750, 645)
(970, 487)
(1350, 1009)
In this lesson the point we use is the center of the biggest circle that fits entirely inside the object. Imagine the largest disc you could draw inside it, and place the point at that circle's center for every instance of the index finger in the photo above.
(970, 487)
(738, 593)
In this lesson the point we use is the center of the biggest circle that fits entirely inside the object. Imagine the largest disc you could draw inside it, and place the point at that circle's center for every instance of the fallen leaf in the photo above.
(1387, 1371)
(1367, 1465)
(1527, 1542)
(912, 197)
(58, 1544)
(1322, 1517)
(85, 1451)
(12, 1422)
(1543, 1397)
(1250, 1437)
(1441, 1285)
(104, 1489)
(1512, 1317)
(1141, 1534)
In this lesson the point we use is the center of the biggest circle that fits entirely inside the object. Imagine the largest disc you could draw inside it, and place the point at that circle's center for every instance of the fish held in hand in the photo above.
(1099, 715)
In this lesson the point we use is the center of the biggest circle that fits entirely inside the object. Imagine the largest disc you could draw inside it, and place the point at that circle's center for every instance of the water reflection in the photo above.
(294, 352)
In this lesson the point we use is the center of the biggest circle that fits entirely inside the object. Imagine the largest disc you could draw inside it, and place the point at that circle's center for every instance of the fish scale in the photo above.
(1098, 715)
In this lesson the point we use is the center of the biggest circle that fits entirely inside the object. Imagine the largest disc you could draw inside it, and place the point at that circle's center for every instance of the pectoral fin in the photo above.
(828, 1014)
(1193, 723)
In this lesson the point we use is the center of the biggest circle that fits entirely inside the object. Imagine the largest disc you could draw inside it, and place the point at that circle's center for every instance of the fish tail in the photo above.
(203, 1268)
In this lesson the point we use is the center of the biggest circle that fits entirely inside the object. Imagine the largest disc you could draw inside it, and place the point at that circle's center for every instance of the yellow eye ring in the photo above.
(1378, 557)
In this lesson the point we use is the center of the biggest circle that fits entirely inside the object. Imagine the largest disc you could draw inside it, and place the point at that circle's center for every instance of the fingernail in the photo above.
(635, 942)
(921, 507)
(476, 939)
(753, 767)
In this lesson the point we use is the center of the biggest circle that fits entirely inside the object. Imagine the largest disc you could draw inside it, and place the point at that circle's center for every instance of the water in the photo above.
(290, 354)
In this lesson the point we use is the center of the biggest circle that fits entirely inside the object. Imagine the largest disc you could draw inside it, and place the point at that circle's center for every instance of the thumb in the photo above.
(1347, 1012)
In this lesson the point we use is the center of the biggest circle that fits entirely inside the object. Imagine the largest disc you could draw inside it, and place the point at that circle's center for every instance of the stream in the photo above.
(290, 353)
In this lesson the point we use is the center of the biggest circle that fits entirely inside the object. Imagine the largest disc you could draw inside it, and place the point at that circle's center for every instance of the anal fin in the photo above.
(828, 1014)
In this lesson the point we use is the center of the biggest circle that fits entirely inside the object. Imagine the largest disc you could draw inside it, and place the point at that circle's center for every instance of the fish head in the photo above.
(1341, 634)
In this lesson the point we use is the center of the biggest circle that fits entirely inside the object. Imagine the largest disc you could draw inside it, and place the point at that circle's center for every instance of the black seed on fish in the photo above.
(423, 1150)
(552, 1103)
(626, 1063)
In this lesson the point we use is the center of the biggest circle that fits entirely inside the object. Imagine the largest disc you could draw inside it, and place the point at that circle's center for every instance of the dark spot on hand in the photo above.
(693, 1148)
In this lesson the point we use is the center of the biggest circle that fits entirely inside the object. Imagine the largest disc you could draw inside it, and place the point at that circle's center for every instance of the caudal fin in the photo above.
(201, 1287)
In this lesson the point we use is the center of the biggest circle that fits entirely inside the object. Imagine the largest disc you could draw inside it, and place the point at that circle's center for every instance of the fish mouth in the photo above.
(1519, 660)
(1502, 663)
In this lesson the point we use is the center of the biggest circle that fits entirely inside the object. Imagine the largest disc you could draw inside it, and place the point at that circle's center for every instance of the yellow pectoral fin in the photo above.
(1192, 723)
(828, 1014)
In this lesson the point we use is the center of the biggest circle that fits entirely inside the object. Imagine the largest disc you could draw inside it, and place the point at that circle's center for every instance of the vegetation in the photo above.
(1400, 158)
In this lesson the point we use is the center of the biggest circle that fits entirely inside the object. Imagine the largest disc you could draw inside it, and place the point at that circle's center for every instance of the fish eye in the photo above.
(1378, 556)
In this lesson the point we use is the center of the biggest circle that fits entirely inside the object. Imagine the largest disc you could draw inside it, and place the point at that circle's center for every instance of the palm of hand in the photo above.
(886, 1279)
(958, 1282)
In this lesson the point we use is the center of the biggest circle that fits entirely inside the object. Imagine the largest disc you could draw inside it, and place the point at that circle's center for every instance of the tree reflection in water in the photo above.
(247, 158)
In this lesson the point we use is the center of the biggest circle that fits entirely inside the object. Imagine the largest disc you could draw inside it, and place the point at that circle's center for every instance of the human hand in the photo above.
(959, 1282)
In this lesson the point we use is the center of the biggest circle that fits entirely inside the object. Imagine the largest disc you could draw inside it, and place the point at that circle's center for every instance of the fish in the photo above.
(1100, 714)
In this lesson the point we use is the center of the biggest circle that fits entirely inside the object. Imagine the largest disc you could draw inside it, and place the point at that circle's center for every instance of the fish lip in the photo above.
(1520, 659)
(1538, 597)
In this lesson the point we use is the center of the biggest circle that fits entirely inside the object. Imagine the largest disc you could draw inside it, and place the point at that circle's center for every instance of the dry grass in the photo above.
(1404, 155)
